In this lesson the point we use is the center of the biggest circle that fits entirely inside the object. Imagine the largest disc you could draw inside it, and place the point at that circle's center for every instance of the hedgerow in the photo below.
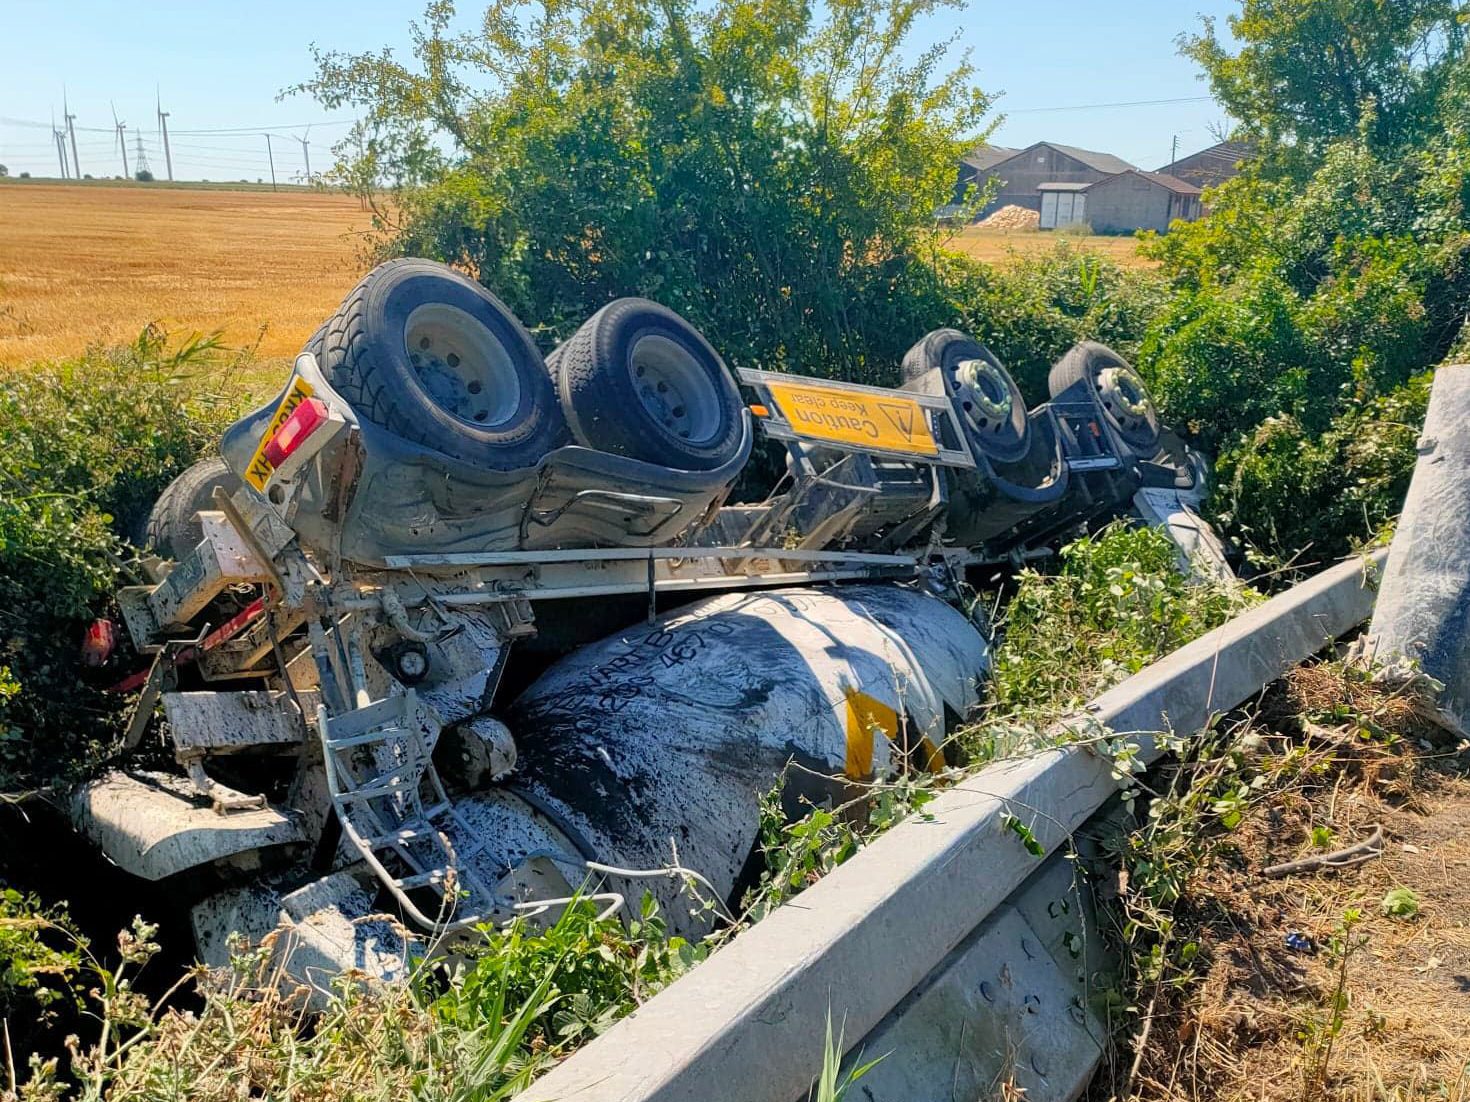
(1327, 277)
(1031, 310)
(1284, 489)
(89, 444)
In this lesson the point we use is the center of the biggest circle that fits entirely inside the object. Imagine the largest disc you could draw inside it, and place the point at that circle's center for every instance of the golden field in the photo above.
(1000, 246)
(83, 265)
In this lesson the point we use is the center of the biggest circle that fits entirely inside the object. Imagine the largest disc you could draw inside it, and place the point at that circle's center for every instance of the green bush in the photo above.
(601, 971)
(770, 170)
(1031, 311)
(40, 949)
(1308, 497)
(1304, 305)
(89, 444)
(1118, 603)
(1222, 359)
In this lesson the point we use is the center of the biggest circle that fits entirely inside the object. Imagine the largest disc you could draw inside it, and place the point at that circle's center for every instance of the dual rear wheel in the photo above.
(1105, 378)
(423, 351)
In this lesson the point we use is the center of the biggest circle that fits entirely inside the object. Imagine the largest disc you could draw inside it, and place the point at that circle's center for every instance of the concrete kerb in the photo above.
(748, 1024)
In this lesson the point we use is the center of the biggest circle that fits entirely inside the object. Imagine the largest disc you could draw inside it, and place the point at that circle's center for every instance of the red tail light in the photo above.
(99, 642)
(305, 419)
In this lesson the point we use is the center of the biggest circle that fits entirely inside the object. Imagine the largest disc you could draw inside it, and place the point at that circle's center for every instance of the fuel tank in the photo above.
(654, 746)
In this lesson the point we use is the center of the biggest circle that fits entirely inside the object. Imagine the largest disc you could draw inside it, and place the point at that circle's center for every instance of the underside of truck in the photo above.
(451, 633)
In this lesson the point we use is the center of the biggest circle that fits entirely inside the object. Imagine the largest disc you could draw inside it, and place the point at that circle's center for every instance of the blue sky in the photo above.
(220, 66)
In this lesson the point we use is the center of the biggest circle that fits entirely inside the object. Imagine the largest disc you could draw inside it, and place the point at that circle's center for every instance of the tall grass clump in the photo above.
(513, 1001)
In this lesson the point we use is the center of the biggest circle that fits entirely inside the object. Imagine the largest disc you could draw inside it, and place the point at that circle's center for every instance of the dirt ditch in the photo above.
(1350, 983)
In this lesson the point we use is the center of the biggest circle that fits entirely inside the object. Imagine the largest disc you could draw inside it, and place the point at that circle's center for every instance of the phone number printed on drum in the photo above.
(893, 423)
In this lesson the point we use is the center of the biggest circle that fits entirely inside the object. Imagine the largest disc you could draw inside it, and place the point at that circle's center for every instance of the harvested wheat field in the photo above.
(83, 265)
(1000, 246)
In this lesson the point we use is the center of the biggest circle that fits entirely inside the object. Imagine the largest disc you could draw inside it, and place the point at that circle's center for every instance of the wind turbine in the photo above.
(306, 153)
(122, 141)
(168, 157)
(59, 137)
(70, 119)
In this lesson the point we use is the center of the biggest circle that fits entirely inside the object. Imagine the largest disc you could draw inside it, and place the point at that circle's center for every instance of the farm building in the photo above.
(1209, 166)
(1122, 203)
(1021, 172)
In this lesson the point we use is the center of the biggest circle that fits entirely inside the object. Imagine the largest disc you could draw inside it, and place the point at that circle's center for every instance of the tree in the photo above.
(1332, 273)
(4, 171)
(768, 173)
(1309, 72)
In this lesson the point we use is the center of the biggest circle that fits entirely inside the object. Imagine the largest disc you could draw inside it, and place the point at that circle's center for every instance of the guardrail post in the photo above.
(1423, 611)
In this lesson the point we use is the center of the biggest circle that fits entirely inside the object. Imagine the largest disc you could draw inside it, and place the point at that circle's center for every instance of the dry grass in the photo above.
(86, 265)
(1003, 246)
(1251, 1028)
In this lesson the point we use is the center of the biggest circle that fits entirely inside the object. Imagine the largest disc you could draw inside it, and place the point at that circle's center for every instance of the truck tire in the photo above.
(314, 342)
(428, 354)
(173, 531)
(638, 380)
(1110, 382)
(987, 401)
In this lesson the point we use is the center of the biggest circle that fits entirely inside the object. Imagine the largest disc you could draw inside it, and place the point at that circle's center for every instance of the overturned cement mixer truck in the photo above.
(450, 632)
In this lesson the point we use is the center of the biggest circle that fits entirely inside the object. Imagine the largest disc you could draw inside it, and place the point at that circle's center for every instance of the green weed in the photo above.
(833, 1084)
(1400, 903)
(1117, 603)
(1320, 1031)
(477, 1030)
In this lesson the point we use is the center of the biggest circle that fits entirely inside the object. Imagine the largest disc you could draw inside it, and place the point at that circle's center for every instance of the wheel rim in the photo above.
(465, 370)
(983, 394)
(675, 389)
(1124, 395)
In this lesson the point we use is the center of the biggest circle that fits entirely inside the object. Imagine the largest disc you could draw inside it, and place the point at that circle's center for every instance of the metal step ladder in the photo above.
(394, 811)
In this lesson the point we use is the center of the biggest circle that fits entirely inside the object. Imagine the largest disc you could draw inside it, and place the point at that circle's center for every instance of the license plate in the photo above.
(259, 472)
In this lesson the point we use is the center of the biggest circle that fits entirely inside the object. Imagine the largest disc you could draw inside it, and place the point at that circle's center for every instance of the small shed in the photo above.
(1137, 200)
(1063, 203)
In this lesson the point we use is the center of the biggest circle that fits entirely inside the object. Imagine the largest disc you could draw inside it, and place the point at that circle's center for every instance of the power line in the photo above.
(1104, 106)
(259, 129)
(216, 148)
(251, 130)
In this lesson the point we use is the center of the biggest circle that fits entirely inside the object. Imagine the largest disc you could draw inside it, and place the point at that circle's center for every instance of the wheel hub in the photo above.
(983, 395)
(1124, 395)
(674, 389)
(461, 365)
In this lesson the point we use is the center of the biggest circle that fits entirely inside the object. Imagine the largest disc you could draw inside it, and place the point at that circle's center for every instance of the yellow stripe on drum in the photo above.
(865, 717)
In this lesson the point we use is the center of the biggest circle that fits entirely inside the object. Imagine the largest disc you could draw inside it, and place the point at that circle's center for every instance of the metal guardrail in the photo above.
(904, 915)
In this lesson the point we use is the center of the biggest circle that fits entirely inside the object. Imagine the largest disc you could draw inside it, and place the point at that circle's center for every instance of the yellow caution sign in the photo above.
(891, 421)
(259, 471)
